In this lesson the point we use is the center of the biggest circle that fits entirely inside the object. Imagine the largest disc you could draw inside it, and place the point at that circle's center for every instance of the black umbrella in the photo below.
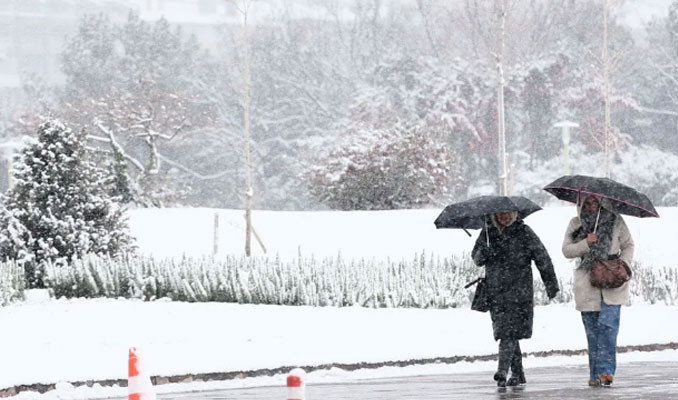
(470, 214)
(624, 199)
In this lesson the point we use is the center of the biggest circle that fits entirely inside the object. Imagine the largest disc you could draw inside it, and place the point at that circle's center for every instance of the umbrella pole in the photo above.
(487, 236)
(595, 227)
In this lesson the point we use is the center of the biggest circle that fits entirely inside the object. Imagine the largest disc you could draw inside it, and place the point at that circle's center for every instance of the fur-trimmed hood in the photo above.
(514, 217)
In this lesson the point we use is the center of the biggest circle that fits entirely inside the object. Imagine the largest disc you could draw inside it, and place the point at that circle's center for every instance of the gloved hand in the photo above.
(493, 251)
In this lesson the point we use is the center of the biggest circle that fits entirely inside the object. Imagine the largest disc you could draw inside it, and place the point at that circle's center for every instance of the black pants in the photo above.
(510, 356)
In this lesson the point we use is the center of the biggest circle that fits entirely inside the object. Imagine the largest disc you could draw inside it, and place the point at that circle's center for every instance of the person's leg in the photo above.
(506, 351)
(507, 348)
(608, 329)
(590, 320)
(517, 372)
(517, 360)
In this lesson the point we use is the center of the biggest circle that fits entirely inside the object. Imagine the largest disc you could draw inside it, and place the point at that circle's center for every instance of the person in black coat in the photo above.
(506, 248)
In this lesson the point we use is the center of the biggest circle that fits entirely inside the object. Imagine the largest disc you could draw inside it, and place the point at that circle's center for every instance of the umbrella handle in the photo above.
(468, 285)
(595, 227)
(487, 236)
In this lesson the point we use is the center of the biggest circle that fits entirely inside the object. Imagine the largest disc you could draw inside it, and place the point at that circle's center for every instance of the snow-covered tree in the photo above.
(132, 85)
(587, 102)
(656, 81)
(402, 167)
(431, 109)
(59, 207)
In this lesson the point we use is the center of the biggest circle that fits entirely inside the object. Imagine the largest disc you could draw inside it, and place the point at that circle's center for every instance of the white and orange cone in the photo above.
(139, 386)
(296, 387)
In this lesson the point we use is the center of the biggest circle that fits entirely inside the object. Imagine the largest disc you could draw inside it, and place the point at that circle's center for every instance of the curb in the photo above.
(222, 376)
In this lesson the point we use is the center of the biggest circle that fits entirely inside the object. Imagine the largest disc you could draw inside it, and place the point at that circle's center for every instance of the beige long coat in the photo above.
(587, 297)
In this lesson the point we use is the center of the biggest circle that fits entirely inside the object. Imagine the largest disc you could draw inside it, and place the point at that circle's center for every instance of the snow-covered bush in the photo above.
(12, 282)
(385, 169)
(58, 207)
(422, 282)
(654, 286)
(14, 237)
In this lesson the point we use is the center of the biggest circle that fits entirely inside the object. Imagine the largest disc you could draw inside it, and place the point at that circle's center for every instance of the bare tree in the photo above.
(137, 102)
(243, 7)
(425, 16)
(501, 128)
(606, 80)
(609, 66)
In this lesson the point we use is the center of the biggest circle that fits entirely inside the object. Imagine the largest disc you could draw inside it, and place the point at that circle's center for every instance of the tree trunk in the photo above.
(606, 79)
(501, 129)
(247, 135)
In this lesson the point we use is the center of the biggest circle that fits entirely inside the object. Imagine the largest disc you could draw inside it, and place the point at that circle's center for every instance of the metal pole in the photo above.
(215, 243)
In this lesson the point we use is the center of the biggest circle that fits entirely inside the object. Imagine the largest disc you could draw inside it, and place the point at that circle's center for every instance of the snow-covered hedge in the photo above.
(422, 282)
(12, 282)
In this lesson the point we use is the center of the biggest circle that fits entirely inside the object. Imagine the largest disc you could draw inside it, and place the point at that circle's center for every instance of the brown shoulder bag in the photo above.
(610, 274)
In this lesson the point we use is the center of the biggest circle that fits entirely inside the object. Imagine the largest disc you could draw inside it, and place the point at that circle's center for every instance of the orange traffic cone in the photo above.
(139, 386)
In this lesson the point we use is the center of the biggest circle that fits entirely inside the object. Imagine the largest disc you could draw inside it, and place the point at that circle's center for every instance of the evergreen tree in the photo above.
(61, 199)
(121, 187)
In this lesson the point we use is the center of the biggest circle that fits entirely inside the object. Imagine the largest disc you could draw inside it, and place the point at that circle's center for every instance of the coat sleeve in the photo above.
(481, 252)
(543, 262)
(625, 243)
(572, 249)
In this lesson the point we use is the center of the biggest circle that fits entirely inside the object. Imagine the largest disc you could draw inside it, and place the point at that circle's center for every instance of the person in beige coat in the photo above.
(598, 233)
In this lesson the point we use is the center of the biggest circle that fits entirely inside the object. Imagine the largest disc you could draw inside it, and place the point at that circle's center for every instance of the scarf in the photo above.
(600, 250)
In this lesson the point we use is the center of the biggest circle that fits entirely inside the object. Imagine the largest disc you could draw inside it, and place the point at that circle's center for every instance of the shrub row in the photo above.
(422, 282)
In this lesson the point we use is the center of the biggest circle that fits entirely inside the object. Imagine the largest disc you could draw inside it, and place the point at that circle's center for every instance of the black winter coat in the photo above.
(508, 277)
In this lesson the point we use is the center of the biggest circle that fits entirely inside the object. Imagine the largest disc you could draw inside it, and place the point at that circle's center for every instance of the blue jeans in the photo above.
(602, 328)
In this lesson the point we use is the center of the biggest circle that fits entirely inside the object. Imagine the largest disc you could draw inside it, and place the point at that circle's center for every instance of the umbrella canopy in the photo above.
(470, 214)
(624, 199)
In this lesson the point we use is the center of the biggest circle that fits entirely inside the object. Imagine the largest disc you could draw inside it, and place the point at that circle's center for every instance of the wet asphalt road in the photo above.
(646, 380)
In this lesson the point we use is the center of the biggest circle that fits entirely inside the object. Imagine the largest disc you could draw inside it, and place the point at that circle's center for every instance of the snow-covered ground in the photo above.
(370, 234)
(47, 341)
(75, 340)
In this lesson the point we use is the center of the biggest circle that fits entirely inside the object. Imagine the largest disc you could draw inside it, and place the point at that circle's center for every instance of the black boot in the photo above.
(500, 377)
(517, 378)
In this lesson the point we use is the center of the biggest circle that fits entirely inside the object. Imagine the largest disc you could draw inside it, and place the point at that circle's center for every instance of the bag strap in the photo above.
(468, 285)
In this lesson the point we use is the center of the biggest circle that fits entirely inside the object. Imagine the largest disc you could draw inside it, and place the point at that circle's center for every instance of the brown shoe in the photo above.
(594, 382)
(606, 379)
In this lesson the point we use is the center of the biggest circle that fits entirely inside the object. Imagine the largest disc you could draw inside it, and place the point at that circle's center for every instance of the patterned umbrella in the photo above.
(623, 199)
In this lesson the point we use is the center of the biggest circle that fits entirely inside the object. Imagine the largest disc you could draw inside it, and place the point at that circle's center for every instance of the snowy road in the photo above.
(645, 380)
